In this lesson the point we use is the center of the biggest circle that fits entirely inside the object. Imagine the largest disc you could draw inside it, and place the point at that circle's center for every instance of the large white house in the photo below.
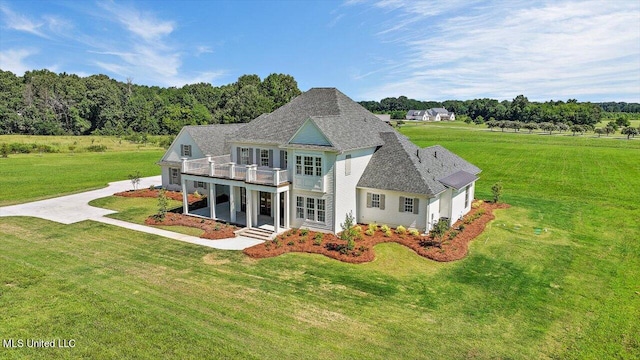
(311, 162)
(433, 114)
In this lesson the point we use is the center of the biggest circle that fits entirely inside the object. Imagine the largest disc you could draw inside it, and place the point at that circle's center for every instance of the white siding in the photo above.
(433, 213)
(345, 185)
(458, 210)
(391, 215)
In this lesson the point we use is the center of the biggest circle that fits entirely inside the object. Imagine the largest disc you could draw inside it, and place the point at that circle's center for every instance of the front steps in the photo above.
(256, 233)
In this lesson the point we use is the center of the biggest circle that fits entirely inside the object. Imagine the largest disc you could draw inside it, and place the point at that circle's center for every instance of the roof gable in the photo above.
(208, 140)
(343, 122)
(310, 134)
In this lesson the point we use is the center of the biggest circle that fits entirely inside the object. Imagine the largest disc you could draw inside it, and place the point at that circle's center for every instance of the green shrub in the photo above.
(96, 148)
(414, 232)
(476, 204)
(304, 232)
(369, 232)
(373, 227)
(290, 243)
(387, 233)
(401, 230)
(384, 228)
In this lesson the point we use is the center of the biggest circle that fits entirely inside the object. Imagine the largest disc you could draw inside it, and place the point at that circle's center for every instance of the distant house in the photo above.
(312, 161)
(440, 114)
(417, 115)
(433, 114)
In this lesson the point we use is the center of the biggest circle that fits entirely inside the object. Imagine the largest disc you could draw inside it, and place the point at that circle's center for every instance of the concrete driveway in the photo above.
(70, 209)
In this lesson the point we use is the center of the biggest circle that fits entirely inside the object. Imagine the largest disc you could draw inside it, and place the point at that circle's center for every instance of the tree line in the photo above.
(519, 109)
(45, 103)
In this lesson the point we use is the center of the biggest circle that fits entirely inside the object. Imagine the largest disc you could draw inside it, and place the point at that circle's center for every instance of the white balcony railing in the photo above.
(224, 169)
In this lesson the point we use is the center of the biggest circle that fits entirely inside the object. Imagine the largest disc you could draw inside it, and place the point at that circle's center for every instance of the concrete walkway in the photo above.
(70, 209)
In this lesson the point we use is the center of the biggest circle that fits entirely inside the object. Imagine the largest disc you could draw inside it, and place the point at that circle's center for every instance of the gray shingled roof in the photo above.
(402, 166)
(345, 123)
(211, 139)
(459, 179)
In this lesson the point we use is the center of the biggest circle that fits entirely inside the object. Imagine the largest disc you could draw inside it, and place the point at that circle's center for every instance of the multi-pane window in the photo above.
(312, 209)
(286, 160)
(299, 207)
(375, 200)
(298, 165)
(185, 150)
(264, 157)
(174, 177)
(466, 196)
(321, 210)
(200, 184)
(308, 165)
(408, 205)
(244, 156)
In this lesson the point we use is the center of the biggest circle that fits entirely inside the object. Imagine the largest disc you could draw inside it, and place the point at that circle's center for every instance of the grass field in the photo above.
(571, 292)
(28, 177)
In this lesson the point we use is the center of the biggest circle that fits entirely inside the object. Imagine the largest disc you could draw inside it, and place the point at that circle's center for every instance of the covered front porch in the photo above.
(244, 204)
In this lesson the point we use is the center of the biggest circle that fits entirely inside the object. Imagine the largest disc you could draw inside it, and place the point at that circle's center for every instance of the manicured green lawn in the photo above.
(29, 177)
(570, 292)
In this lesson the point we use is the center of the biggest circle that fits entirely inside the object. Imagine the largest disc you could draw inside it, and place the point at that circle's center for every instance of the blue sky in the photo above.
(431, 50)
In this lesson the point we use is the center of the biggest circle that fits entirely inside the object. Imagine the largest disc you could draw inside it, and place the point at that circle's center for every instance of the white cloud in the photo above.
(543, 50)
(14, 60)
(19, 22)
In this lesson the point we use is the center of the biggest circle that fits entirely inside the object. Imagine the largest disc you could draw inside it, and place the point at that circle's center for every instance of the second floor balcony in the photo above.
(222, 167)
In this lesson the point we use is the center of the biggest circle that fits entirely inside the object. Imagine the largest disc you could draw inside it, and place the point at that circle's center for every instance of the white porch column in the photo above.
(232, 203)
(276, 212)
(212, 201)
(255, 206)
(185, 198)
(211, 165)
(249, 208)
(287, 206)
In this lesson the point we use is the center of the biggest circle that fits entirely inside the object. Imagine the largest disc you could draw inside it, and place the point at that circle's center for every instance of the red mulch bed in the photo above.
(333, 247)
(213, 230)
(174, 195)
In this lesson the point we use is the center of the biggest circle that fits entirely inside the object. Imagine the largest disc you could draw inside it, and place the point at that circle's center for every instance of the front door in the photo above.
(265, 203)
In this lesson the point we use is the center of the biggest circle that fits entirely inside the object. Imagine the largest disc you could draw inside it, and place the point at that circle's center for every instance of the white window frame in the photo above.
(300, 207)
(200, 184)
(375, 200)
(309, 165)
(245, 156)
(174, 176)
(466, 196)
(264, 157)
(311, 209)
(286, 160)
(408, 204)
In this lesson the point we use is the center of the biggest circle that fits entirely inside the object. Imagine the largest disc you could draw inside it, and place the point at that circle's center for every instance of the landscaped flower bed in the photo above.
(452, 247)
(212, 229)
(173, 195)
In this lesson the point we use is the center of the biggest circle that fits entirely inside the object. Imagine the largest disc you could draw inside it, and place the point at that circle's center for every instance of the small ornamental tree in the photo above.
(496, 190)
(163, 204)
(577, 129)
(609, 130)
(439, 229)
(135, 179)
(562, 127)
(547, 126)
(491, 124)
(349, 231)
(530, 126)
(629, 131)
(600, 131)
